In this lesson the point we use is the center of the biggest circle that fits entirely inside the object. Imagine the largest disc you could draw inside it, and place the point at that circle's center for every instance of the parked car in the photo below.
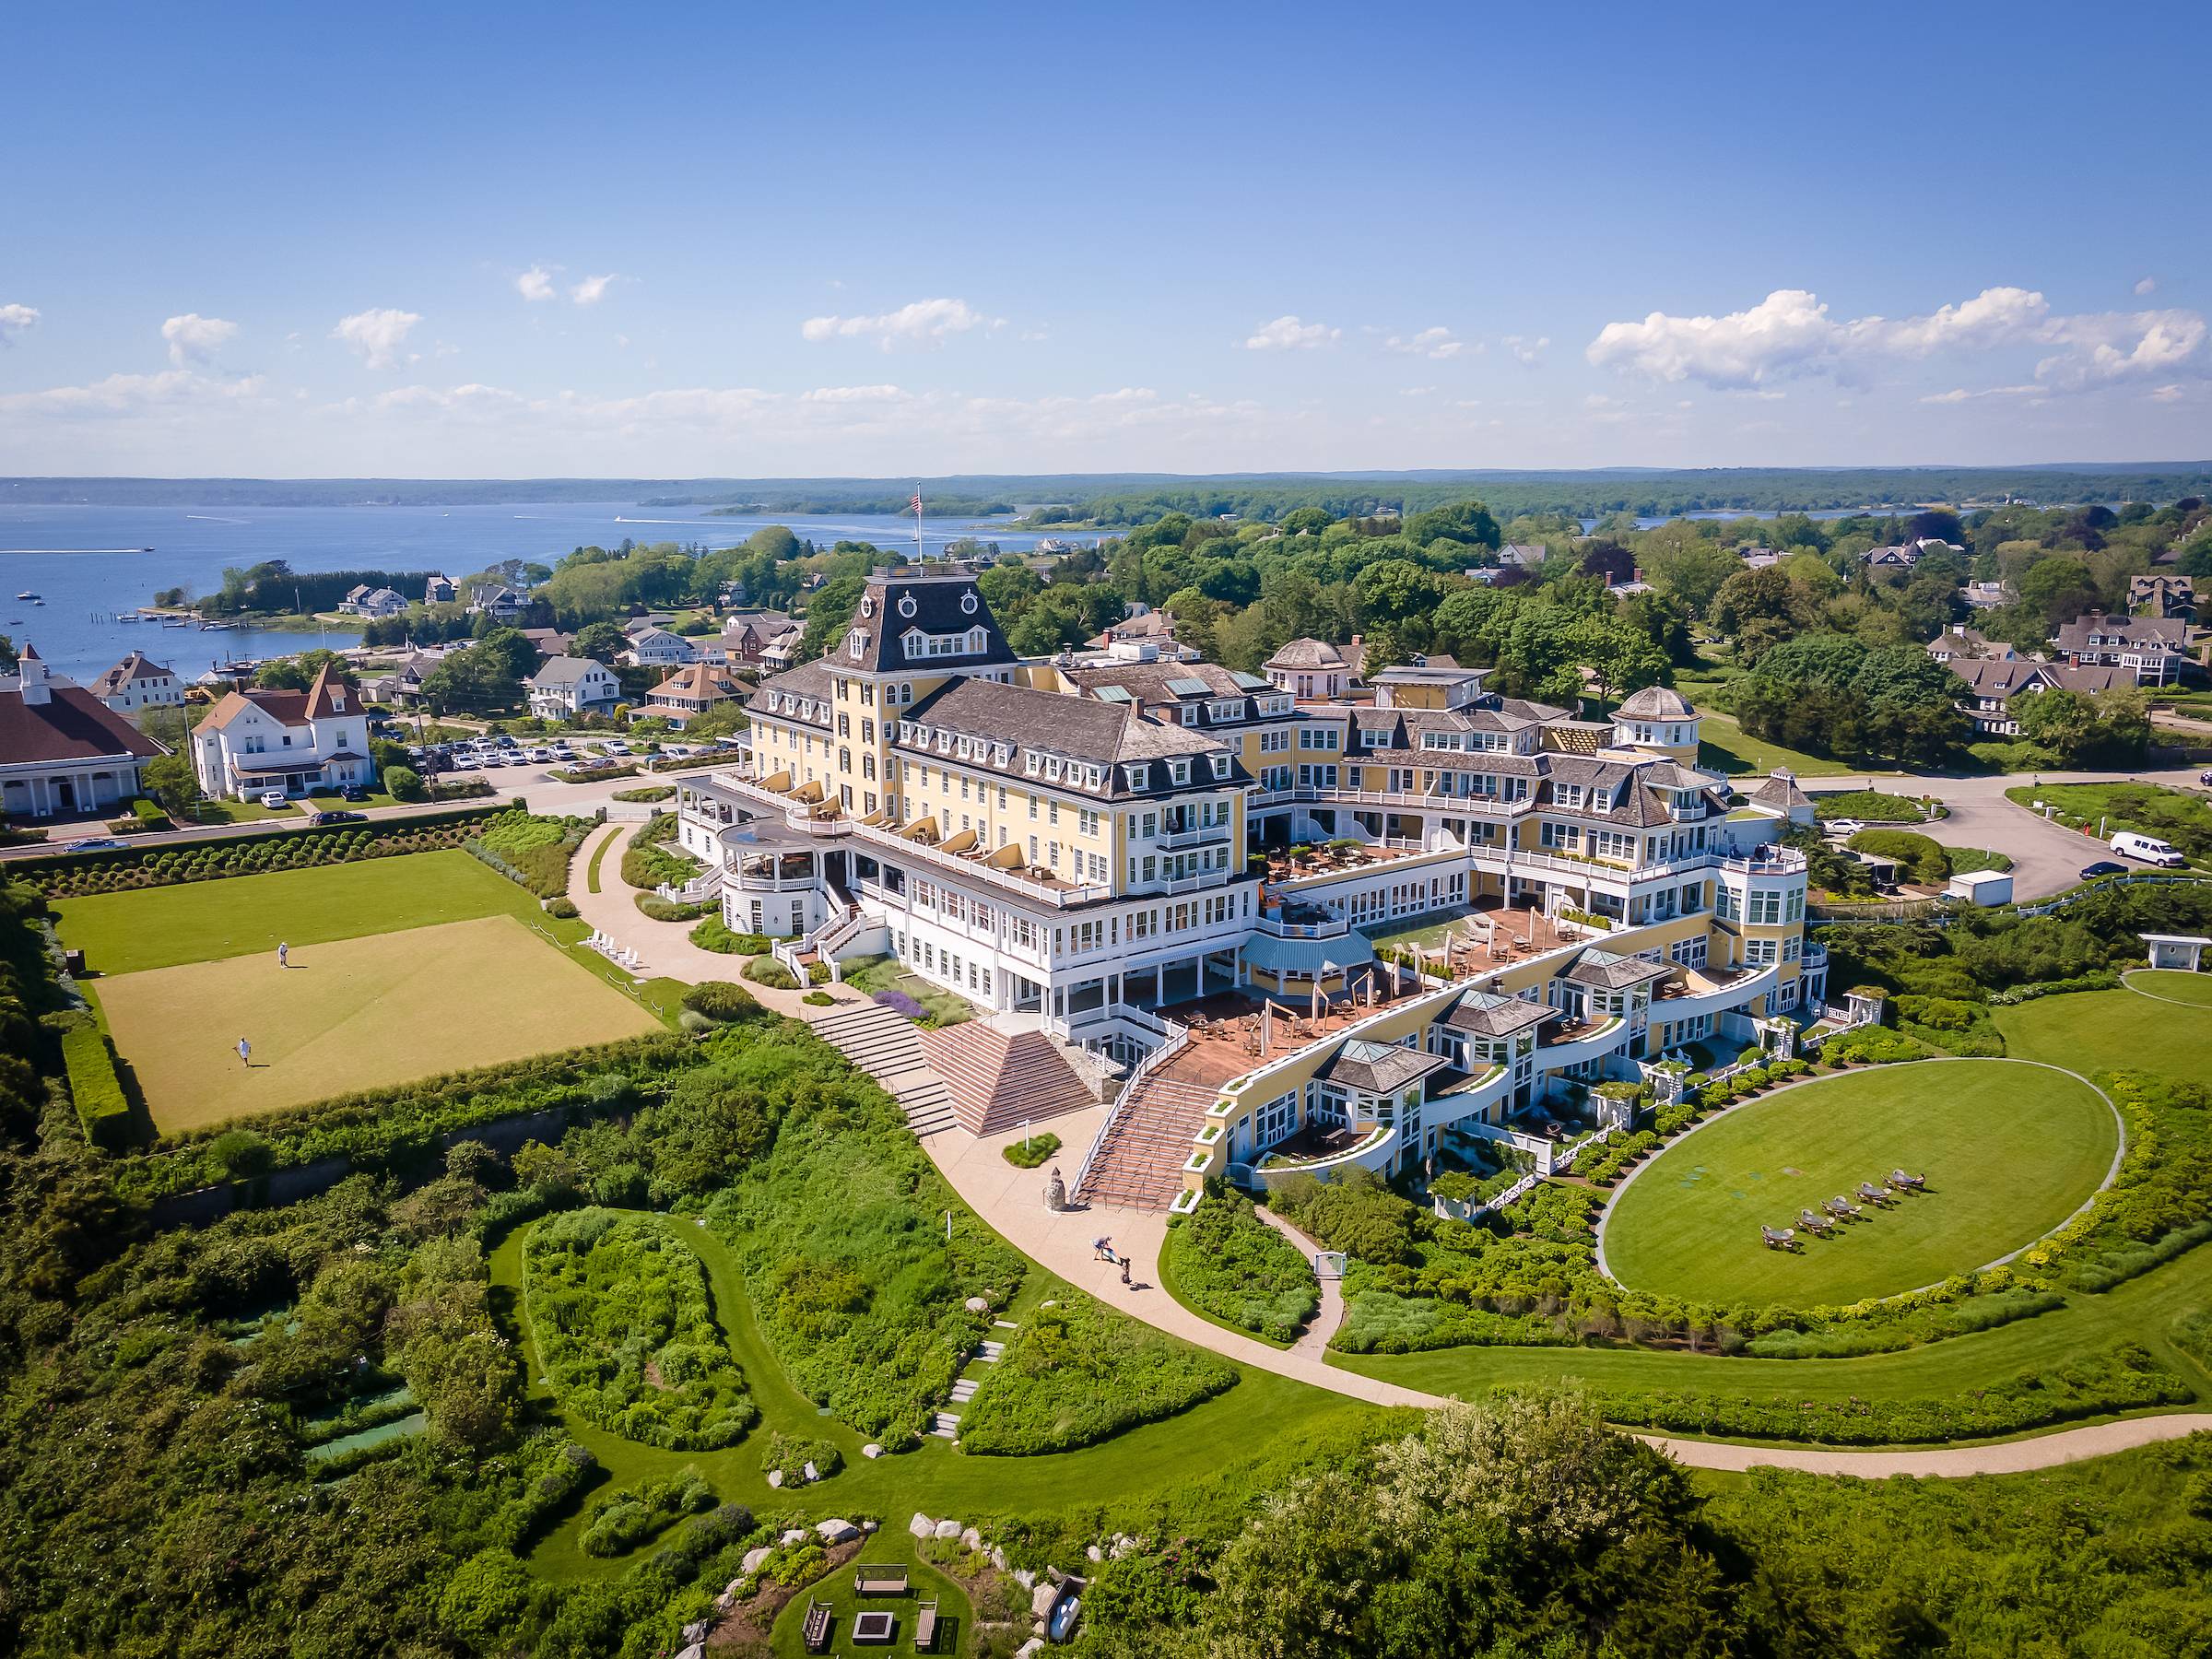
(335, 818)
(1842, 828)
(353, 792)
(94, 843)
(539, 756)
(273, 798)
(2104, 866)
(2148, 849)
(614, 746)
(461, 762)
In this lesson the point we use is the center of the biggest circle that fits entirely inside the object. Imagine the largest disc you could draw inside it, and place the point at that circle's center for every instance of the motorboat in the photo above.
(26, 593)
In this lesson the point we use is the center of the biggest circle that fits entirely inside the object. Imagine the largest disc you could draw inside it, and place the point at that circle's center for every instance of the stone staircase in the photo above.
(947, 1426)
(1139, 1163)
(888, 1049)
(999, 1078)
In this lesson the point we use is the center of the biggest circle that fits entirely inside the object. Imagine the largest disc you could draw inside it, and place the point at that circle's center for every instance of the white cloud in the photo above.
(2146, 285)
(1439, 342)
(592, 290)
(923, 322)
(1791, 332)
(1289, 333)
(14, 322)
(1959, 394)
(1525, 351)
(1416, 391)
(123, 396)
(194, 338)
(535, 284)
(853, 395)
(2167, 394)
(378, 336)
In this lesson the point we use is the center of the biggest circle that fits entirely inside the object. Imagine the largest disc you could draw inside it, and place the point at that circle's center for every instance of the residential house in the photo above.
(565, 686)
(2155, 648)
(1987, 595)
(746, 636)
(1759, 559)
(1523, 555)
(1314, 668)
(401, 683)
(364, 601)
(690, 691)
(1994, 686)
(1905, 556)
(498, 601)
(256, 740)
(440, 590)
(2162, 596)
(1959, 641)
(551, 642)
(1146, 627)
(135, 685)
(63, 752)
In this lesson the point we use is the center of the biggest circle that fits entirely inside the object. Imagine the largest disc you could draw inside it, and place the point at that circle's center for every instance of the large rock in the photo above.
(1025, 1577)
(1094, 1552)
(872, 1450)
(922, 1526)
(1030, 1648)
(798, 1535)
(972, 1539)
(979, 1304)
(948, 1529)
(756, 1557)
(836, 1530)
(775, 1478)
(869, 1526)
(811, 1473)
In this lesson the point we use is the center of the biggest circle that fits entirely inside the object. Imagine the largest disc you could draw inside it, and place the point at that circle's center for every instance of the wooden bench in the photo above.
(926, 1626)
(816, 1632)
(880, 1578)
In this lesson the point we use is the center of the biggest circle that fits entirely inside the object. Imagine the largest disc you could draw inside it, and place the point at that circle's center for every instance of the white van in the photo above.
(2146, 849)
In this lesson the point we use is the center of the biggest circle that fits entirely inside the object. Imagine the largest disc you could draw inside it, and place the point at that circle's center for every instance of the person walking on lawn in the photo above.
(284, 953)
(245, 1052)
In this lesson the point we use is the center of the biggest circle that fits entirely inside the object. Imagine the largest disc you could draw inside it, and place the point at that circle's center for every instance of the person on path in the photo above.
(1125, 1270)
(284, 953)
(245, 1052)
(1102, 1250)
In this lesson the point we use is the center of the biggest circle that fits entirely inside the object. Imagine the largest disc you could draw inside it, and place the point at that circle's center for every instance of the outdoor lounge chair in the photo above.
(1842, 1209)
(1871, 1194)
(1911, 1184)
(815, 1634)
(925, 1627)
(1815, 1222)
(1776, 1238)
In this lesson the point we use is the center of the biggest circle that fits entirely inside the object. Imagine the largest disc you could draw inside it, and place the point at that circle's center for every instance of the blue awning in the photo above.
(1307, 959)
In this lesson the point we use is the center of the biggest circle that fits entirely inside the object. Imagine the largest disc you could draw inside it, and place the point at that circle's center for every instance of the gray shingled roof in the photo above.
(938, 605)
(1111, 735)
(1379, 1068)
(1605, 970)
(1487, 1013)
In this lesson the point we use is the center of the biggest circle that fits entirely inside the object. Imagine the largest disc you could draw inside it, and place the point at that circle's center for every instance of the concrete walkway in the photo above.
(1314, 1341)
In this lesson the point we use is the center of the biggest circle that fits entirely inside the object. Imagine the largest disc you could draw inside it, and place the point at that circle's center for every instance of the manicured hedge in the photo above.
(1077, 1373)
(1231, 1266)
(74, 874)
(95, 1087)
(2124, 1378)
(767, 970)
(649, 861)
(713, 933)
(620, 1521)
(627, 1333)
(530, 850)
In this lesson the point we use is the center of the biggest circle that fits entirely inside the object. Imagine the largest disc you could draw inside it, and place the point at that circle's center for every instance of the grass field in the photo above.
(351, 1013)
(1729, 749)
(2091, 1031)
(2009, 1150)
(2173, 985)
(201, 921)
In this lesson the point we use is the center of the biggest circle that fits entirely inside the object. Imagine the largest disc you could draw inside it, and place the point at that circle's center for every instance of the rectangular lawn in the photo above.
(201, 921)
(351, 1013)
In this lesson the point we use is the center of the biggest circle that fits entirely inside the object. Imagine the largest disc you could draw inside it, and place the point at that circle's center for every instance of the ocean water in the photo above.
(89, 563)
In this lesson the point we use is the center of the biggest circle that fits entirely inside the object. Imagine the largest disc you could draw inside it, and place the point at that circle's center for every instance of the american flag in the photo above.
(916, 502)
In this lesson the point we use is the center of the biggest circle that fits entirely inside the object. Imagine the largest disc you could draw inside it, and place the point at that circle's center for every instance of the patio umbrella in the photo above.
(1326, 969)
(1266, 1024)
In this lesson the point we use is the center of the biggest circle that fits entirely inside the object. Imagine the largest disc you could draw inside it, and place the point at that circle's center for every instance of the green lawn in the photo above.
(1423, 932)
(1262, 1416)
(893, 1545)
(1728, 748)
(2173, 985)
(2182, 816)
(2009, 1150)
(201, 921)
(2109, 1030)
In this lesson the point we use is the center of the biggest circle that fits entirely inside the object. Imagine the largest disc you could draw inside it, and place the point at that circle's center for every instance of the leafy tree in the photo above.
(1687, 567)
(601, 642)
(403, 783)
(1303, 521)
(1468, 523)
(830, 612)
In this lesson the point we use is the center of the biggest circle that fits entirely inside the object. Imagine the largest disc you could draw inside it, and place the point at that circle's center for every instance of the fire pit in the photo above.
(875, 1629)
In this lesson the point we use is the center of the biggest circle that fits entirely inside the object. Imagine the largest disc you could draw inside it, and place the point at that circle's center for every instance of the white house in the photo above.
(690, 691)
(498, 601)
(659, 648)
(439, 590)
(135, 685)
(294, 741)
(565, 686)
(62, 751)
(366, 601)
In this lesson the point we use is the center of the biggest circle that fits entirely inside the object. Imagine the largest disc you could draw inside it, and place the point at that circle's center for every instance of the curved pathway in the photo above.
(1314, 1341)
(2128, 980)
(1011, 1200)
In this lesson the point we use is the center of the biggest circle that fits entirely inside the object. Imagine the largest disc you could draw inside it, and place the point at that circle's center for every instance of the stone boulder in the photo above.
(1093, 1552)
(948, 1530)
(979, 1304)
(798, 1535)
(836, 1530)
(972, 1539)
(922, 1526)
(872, 1450)
(757, 1558)
(775, 1478)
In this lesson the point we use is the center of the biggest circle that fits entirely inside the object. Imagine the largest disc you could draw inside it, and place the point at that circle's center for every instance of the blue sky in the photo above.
(559, 241)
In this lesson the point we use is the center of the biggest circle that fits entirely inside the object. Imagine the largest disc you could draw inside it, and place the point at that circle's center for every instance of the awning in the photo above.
(960, 842)
(1307, 959)
(923, 829)
(809, 791)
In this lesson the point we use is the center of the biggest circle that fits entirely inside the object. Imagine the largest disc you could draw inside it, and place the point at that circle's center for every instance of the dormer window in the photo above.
(338, 704)
(1134, 776)
(1221, 766)
(867, 605)
(1181, 771)
(968, 603)
(906, 605)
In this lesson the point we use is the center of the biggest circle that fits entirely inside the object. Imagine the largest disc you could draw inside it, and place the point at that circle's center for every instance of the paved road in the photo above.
(2046, 858)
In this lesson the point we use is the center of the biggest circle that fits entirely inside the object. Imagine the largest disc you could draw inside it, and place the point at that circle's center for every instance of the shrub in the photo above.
(817, 999)
(403, 782)
(713, 933)
(790, 1453)
(657, 909)
(93, 1085)
(719, 999)
(818, 973)
(627, 1334)
(899, 1002)
(649, 861)
(1027, 1155)
(1231, 1266)
(624, 1518)
(563, 908)
(1076, 1373)
(1922, 857)
(533, 852)
(767, 970)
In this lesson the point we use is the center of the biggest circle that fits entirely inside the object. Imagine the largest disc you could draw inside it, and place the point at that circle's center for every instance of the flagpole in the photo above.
(919, 556)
